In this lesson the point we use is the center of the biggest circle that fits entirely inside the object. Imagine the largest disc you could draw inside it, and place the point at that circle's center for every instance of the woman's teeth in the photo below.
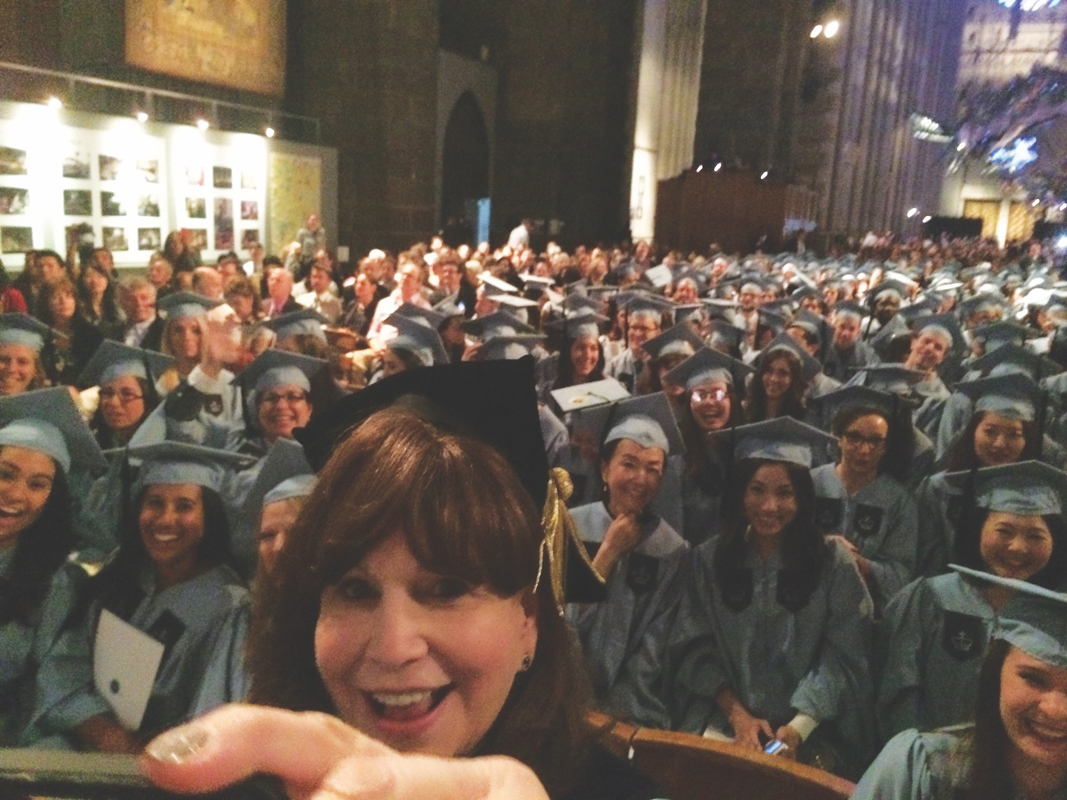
(405, 699)
(165, 537)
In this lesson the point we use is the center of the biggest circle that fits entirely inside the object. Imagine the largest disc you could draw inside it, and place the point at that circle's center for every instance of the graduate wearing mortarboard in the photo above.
(1016, 746)
(772, 638)
(638, 554)
(936, 631)
(169, 584)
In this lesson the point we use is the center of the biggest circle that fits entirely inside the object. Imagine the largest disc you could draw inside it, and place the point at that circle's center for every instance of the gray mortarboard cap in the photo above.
(688, 273)
(725, 334)
(944, 325)
(168, 463)
(179, 305)
(987, 301)
(894, 378)
(513, 300)
(1037, 366)
(779, 439)
(646, 305)
(783, 308)
(1025, 488)
(114, 360)
(416, 336)
(412, 311)
(510, 346)
(689, 311)
(919, 310)
(857, 397)
(296, 323)
(887, 286)
(647, 420)
(494, 286)
(46, 420)
(1013, 396)
(181, 418)
(887, 333)
(809, 366)
(677, 340)
(279, 368)
(536, 281)
(22, 329)
(499, 323)
(284, 462)
(450, 307)
(587, 395)
(576, 302)
(847, 308)
(707, 365)
(1033, 620)
(997, 334)
(583, 323)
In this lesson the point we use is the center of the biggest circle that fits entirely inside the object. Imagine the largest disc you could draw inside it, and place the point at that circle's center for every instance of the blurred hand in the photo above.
(318, 756)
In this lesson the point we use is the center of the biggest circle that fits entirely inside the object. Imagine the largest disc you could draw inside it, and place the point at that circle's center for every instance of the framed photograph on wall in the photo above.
(196, 208)
(13, 201)
(249, 237)
(115, 239)
(223, 178)
(149, 239)
(12, 161)
(77, 165)
(111, 168)
(77, 202)
(16, 240)
(111, 205)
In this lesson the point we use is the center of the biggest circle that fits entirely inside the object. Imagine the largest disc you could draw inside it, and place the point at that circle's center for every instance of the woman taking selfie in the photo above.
(424, 626)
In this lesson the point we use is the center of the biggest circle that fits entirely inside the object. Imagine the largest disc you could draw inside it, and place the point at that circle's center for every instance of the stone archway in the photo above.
(465, 168)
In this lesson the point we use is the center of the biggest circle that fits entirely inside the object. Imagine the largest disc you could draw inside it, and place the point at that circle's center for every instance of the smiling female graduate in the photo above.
(1017, 746)
(22, 338)
(40, 442)
(638, 554)
(156, 611)
(772, 636)
(936, 630)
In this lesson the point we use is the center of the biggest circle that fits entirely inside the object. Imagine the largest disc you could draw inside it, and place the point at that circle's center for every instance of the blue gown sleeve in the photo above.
(932, 546)
(225, 679)
(899, 656)
(839, 683)
(901, 772)
(894, 563)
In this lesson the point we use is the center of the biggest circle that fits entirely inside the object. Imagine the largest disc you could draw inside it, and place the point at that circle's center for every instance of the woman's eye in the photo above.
(354, 589)
(449, 588)
(1036, 679)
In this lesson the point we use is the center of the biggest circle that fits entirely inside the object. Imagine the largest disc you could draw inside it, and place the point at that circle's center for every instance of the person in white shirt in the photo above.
(322, 294)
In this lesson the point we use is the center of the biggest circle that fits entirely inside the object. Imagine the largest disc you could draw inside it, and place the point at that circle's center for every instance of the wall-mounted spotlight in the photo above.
(269, 132)
(831, 28)
(816, 31)
(912, 212)
(54, 102)
(203, 124)
(142, 116)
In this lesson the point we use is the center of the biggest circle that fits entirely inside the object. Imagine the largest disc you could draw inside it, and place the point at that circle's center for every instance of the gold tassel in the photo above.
(558, 528)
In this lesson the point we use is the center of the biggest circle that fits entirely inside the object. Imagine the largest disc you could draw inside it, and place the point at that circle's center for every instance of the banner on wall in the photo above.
(239, 44)
(295, 192)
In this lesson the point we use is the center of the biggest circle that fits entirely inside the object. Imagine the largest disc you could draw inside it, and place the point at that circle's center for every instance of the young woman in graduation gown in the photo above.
(772, 637)
(936, 630)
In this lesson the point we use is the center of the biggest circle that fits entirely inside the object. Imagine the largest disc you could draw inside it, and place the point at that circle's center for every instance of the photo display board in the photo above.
(127, 184)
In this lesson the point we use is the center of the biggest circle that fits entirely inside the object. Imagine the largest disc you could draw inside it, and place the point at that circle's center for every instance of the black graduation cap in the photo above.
(493, 401)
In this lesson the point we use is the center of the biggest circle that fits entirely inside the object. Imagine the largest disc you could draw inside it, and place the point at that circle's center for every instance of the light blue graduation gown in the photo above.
(624, 635)
(880, 519)
(929, 653)
(778, 662)
(190, 619)
(24, 647)
(916, 766)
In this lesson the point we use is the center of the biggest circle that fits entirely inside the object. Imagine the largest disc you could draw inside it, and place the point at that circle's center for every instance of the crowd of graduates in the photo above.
(773, 461)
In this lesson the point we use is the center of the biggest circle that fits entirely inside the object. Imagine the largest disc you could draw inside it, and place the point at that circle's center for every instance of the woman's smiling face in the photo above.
(421, 661)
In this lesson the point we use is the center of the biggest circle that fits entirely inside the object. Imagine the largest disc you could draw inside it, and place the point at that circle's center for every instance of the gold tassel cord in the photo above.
(558, 529)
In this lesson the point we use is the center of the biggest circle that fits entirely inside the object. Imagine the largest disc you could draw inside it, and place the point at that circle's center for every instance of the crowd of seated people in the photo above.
(808, 488)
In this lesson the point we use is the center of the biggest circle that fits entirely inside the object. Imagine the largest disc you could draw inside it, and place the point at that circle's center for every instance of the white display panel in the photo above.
(130, 183)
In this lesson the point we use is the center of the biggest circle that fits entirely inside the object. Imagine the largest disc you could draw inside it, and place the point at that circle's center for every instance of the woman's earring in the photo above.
(527, 662)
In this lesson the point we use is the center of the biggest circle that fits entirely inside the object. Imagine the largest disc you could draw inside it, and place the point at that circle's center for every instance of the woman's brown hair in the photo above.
(463, 512)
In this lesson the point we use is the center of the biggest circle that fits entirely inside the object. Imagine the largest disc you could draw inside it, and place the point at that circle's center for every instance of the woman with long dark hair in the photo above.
(936, 630)
(1016, 747)
(41, 441)
(169, 581)
(581, 355)
(861, 500)
(771, 639)
(96, 293)
(74, 340)
(778, 388)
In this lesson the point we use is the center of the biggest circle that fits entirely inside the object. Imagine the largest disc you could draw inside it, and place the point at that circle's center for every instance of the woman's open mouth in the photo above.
(406, 706)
